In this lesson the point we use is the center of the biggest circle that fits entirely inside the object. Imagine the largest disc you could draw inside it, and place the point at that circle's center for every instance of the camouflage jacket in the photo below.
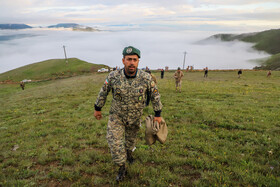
(178, 75)
(129, 94)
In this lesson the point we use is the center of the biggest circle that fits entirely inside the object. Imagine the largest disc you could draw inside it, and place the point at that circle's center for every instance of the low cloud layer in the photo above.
(159, 49)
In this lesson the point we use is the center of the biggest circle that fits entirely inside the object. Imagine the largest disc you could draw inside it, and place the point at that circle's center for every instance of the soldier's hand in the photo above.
(97, 115)
(158, 119)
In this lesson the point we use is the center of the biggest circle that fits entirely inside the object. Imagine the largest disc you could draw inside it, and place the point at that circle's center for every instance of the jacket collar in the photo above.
(128, 76)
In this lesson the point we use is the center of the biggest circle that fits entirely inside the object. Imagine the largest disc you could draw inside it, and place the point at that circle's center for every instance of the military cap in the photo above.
(130, 50)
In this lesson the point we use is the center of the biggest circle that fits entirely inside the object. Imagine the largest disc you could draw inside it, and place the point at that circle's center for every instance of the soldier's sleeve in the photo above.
(102, 96)
(155, 97)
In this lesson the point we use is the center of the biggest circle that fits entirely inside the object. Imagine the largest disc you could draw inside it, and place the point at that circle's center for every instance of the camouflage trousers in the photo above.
(121, 136)
(178, 83)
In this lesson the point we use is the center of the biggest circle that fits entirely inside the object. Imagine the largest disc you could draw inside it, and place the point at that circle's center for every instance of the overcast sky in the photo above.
(202, 15)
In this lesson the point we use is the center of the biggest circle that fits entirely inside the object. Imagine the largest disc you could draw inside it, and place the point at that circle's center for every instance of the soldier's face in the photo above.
(130, 63)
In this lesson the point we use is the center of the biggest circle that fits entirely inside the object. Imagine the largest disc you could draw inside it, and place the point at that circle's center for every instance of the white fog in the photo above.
(158, 49)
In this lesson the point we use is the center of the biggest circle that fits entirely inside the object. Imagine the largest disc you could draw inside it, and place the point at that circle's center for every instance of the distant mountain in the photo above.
(74, 26)
(14, 26)
(268, 41)
(88, 29)
(64, 25)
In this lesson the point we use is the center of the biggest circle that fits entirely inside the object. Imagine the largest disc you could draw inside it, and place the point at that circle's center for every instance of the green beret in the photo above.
(131, 51)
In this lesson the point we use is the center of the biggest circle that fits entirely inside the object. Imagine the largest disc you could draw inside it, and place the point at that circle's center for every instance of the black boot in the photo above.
(130, 158)
(121, 174)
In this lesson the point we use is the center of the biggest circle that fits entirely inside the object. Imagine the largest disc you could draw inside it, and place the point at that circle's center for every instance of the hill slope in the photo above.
(273, 63)
(50, 69)
(267, 41)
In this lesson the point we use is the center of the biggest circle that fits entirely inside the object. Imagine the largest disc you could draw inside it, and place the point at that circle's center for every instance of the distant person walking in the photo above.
(206, 72)
(148, 70)
(268, 73)
(22, 85)
(162, 73)
(239, 73)
(178, 79)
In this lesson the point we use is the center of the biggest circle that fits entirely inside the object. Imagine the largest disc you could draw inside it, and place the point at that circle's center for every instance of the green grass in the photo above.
(222, 131)
(50, 69)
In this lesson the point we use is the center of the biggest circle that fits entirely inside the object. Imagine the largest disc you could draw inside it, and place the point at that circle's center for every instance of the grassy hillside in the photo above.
(50, 69)
(223, 131)
(267, 41)
(273, 63)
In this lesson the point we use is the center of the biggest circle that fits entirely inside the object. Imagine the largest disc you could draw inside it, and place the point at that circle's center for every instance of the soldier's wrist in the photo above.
(97, 108)
(157, 113)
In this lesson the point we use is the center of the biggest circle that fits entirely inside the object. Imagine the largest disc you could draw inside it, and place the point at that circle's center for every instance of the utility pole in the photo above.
(66, 60)
(184, 60)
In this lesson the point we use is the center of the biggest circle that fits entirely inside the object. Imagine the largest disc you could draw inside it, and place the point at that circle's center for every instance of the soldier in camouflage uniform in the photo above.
(129, 87)
(178, 78)
(22, 85)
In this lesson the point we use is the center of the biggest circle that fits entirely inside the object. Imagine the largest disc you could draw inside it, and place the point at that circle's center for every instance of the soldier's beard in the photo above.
(131, 71)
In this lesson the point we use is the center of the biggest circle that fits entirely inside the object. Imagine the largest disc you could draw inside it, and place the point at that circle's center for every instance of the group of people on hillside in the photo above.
(131, 88)
(239, 73)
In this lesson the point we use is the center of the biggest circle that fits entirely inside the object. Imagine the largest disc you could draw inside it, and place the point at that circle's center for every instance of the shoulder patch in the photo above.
(155, 91)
